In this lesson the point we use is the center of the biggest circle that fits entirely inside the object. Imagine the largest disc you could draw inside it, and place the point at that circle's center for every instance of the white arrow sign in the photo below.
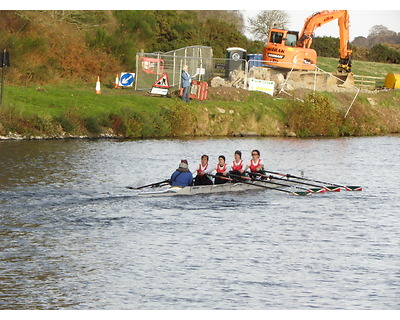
(127, 79)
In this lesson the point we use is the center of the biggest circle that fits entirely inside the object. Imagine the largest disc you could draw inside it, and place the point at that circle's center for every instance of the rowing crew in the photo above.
(182, 177)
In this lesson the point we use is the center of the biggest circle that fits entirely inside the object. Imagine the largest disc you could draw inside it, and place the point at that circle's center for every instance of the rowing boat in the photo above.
(206, 189)
(256, 181)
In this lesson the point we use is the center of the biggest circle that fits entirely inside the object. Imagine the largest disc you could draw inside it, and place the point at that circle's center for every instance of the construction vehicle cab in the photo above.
(284, 37)
(281, 52)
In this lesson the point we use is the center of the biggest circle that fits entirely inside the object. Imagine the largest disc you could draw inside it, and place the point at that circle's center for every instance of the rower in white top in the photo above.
(255, 164)
(202, 171)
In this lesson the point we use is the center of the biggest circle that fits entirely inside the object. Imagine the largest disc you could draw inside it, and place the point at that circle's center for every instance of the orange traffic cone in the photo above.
(116, 84)
(98, 91)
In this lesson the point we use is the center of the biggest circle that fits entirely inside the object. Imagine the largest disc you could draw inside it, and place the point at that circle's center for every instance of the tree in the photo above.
(326, 46)
(233, 17)
(377, 30)
(361, 41)
(383, 53)
(220, 35)
(360, 53)
(381, 34)
(265, 21)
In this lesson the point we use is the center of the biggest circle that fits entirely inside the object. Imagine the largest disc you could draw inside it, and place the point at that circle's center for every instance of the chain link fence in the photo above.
(151, 66)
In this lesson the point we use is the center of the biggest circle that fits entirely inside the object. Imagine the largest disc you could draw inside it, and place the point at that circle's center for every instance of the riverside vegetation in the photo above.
(56, 57)
(65, 111)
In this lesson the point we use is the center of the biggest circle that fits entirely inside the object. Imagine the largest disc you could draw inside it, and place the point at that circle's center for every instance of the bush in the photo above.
(66, 123)
(382, 53)
(92, 125)
(316, 116)
(326, 46)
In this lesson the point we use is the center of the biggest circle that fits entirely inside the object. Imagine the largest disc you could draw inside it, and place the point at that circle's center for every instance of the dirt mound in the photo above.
(227, 94)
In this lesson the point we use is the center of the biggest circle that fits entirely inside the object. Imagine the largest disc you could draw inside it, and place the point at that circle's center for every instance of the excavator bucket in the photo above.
(348, 80)
(344, 80)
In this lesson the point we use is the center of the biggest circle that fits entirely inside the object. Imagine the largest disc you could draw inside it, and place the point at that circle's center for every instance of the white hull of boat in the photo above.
(207, 189)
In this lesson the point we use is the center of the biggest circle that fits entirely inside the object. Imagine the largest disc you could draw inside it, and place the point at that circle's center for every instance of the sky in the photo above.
(361, 21)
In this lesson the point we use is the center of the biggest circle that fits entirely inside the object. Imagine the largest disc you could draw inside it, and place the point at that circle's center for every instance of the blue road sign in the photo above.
(127, 79)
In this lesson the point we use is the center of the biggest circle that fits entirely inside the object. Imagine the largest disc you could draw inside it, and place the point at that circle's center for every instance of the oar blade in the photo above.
(332, 188)
(301, 193)
(353, 188)
(328, 185)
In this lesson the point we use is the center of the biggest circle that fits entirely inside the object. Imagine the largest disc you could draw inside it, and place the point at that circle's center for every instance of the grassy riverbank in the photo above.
(76, 111)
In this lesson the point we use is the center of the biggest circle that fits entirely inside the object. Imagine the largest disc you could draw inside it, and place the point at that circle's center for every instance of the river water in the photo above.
(72, 236)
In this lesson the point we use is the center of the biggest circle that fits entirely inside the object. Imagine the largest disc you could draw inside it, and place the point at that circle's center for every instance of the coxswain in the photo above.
(222, 170)
(203, 170)
(182, 177)
(255, 164)
(237, 166)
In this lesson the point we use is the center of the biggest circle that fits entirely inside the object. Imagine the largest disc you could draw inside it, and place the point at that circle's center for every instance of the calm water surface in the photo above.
(72, 236)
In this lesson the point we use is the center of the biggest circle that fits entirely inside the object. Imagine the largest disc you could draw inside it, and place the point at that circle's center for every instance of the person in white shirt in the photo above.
(222, 170)
(202, 171)
(238, 166)
(255, 164)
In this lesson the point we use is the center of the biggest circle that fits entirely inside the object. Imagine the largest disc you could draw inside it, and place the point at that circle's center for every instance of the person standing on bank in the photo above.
(186, 81)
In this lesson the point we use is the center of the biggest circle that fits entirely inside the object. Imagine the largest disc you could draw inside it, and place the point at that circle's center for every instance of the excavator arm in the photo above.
(289, 50)
(320, 18)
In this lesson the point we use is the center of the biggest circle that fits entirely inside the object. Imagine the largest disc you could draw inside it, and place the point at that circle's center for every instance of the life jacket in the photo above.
(221, 170)
(253, 166)
(237, 167)
(200, 169)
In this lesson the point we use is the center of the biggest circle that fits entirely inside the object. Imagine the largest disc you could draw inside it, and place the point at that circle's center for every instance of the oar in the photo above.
(331, 188)
(297, 193)
(271, 182)
(317, 189)
(328, 186)
(156, 184)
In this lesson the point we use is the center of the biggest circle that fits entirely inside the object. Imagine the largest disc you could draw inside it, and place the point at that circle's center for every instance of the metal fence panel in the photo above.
(151, 66)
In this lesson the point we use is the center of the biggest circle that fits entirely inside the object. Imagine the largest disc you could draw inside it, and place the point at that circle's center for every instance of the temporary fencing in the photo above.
(233, 72)
(150, 66)
(314, 80)
(199, 59)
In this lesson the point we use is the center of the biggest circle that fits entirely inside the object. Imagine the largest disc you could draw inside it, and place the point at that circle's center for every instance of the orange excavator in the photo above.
(287, 50)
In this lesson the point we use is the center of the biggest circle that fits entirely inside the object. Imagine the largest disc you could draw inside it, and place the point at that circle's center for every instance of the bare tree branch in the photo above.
(265, 21)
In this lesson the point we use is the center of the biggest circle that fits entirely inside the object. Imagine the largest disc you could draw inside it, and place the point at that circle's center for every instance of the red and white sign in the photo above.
(152, 65)
(162, 82)
(198, 90)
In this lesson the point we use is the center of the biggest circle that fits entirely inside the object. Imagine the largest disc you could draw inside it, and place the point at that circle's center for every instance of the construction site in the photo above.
(287, 64)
